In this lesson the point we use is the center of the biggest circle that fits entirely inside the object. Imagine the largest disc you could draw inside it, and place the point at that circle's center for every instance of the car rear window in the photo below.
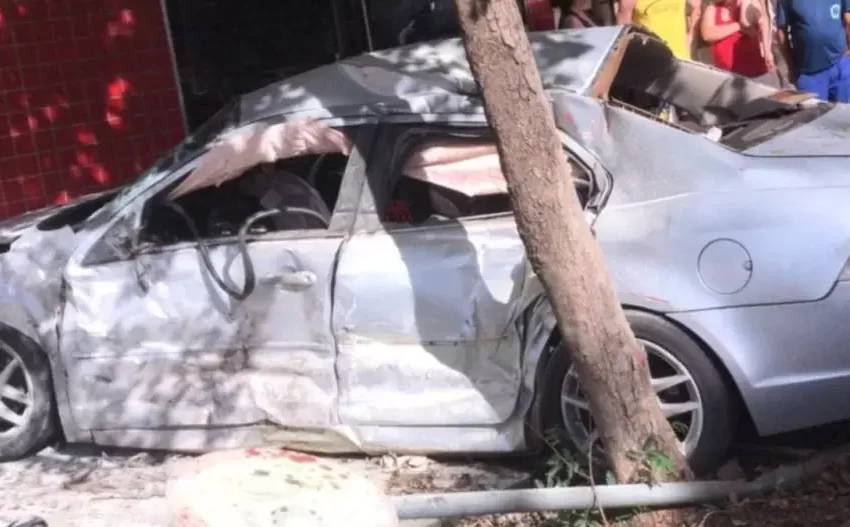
(748, 133)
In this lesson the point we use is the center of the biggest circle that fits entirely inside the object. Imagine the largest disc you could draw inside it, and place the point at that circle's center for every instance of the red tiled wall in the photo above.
(87, 97)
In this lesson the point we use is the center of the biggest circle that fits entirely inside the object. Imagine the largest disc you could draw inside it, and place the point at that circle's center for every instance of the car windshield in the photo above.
(192, 146)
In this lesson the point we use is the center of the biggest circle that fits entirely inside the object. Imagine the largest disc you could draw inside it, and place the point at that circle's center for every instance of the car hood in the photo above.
(826, 136)
(12, 228)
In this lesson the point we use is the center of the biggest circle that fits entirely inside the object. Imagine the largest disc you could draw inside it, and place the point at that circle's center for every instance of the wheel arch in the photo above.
(722, 366)
(30, 338)
(542, 310)
(726, 370)
(14, 320)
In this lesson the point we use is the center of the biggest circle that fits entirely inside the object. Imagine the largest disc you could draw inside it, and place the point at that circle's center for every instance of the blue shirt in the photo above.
(817, 31)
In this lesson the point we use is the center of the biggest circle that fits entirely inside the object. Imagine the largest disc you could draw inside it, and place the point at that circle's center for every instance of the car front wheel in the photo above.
(691, 390)
(26, 408)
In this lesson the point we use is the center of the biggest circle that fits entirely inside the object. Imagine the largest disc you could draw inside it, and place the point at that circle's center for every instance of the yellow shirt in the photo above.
(668, 20)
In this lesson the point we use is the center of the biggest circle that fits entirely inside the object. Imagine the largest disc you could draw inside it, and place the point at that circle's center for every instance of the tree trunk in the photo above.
(611, 366)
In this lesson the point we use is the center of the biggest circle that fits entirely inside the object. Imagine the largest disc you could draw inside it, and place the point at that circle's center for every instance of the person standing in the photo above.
(813, 36)
(575, 14)
(739, 34)
(674, 21)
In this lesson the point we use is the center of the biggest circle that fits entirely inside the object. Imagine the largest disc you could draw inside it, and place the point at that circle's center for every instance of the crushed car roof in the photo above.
(423, 78)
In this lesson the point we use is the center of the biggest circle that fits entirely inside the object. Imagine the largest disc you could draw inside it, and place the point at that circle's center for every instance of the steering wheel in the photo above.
(298, 197)
(301, 211)
(242, 245)
(330, 181)
(314, 169)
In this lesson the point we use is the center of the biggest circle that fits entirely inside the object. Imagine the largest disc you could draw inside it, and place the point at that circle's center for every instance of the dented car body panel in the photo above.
(426, 81)
(456, 342)
(369, 335)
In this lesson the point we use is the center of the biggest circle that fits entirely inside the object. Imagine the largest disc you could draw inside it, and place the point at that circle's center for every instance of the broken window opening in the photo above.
(700, 99)
(452, 179)
(292, 171)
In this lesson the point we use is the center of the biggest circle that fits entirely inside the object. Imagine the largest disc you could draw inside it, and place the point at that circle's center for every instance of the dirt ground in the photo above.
(79, 487)
(822, 500)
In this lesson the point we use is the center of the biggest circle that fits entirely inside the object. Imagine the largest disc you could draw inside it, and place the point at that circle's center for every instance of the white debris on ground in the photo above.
(78, 487)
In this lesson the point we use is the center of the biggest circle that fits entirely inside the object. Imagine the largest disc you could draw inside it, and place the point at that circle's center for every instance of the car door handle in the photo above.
(297, 281)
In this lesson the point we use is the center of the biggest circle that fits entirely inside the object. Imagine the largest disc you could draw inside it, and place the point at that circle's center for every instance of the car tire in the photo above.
(37, 427)
(720, 407)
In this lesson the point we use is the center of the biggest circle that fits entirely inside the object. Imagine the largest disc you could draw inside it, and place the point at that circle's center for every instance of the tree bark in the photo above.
(562, 251)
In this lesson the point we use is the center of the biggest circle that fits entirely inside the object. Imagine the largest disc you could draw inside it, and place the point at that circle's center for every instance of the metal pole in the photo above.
(665, 495)
(484, 503)
(174, 70)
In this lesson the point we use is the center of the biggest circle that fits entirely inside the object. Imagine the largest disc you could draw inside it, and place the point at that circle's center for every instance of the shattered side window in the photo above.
(224, 120)
(234, 153)
(448, 180)
(260, 178)
(445, 180)
(195, 143)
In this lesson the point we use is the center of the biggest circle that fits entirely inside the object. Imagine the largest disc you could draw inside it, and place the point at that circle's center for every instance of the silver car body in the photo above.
(433, 338)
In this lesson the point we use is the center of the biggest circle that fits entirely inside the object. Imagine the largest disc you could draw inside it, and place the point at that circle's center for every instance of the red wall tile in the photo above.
(87, 98)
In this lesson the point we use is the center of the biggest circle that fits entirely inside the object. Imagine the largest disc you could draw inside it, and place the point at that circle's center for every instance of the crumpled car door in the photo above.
(151, 342)
(427, 325)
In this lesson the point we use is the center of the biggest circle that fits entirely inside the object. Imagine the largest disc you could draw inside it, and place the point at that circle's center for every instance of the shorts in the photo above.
(831, 84)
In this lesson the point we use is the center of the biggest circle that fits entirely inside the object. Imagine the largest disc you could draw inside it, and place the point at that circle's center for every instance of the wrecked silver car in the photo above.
(331, 263)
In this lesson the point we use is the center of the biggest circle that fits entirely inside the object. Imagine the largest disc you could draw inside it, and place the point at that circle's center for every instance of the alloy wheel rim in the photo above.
(676, 389)
(16, 392)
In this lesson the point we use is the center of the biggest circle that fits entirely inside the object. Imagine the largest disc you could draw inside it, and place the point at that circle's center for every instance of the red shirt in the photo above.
(739, 52)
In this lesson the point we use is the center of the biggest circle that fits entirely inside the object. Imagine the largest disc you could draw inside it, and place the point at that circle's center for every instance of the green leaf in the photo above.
(661, 463)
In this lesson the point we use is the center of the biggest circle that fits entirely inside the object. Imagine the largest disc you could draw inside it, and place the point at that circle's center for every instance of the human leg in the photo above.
(840, 81)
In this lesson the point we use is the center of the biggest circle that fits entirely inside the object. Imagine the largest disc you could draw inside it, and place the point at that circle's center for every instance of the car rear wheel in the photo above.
(26, 407)
(693, 394)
